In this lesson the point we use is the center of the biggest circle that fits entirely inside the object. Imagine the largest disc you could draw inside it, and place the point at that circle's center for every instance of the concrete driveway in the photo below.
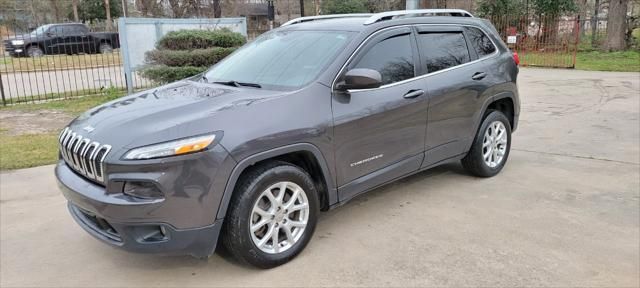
(564, 212)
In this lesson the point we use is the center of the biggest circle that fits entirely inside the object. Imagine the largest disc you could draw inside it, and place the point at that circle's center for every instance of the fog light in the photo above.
(142, 189)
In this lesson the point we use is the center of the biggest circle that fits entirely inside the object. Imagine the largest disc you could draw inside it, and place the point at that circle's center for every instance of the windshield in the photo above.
(40, 30)
(281, 59)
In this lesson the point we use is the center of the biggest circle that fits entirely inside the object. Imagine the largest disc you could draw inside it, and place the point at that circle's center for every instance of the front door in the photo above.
(379, 133)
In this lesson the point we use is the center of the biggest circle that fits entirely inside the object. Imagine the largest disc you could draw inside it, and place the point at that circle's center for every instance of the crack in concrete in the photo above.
(578, 156)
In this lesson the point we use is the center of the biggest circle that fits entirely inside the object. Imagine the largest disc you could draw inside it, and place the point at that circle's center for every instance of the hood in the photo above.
(19, 37)
(170, 112)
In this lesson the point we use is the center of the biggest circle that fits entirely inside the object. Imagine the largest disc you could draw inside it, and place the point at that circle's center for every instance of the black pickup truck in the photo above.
(67, 38)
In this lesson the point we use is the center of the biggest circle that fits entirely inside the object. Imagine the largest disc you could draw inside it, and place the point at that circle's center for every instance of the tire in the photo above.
(475, 161)
(105, 48)
(35, 51)
(252, 192)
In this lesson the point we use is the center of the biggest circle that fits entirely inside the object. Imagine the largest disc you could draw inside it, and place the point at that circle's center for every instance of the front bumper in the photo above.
(157, 238)
(183, 222)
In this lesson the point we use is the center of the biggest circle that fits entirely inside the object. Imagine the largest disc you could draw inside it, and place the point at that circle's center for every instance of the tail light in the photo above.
(516, 58)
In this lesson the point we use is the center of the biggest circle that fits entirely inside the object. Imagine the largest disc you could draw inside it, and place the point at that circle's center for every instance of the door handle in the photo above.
(413, 94)
(479, 76)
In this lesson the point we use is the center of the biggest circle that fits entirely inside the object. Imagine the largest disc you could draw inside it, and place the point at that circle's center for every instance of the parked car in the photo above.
(301, 120)
(65, 38)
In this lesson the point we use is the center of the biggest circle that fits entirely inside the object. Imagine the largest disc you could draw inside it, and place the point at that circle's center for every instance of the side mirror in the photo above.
(361, 78)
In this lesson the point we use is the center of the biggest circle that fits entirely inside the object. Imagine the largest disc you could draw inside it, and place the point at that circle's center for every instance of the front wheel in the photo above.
(273, 214)
(491, 146)
(35, 51)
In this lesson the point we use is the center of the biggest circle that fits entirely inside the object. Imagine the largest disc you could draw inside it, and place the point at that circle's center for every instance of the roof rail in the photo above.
(333, 16)
(435, 12)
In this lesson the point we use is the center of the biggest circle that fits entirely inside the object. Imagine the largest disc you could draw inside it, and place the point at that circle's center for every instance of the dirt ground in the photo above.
(42, 121)
(565, 212)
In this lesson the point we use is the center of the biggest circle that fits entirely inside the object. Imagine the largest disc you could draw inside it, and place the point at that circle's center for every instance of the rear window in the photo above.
(480, 42)
(443, 50)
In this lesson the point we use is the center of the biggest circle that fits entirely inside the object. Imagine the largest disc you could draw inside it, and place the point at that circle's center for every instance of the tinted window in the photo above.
(443, 50)
(281, 59)
(392, 57)
(480, 42)
(57, 30)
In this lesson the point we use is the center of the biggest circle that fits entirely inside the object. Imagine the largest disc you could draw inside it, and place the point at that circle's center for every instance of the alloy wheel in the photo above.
(279, 217)
(494, 144)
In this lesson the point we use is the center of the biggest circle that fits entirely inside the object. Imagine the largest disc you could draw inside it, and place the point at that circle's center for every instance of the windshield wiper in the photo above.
(238, 84)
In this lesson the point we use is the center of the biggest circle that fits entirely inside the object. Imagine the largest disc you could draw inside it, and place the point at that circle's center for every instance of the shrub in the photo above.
(198, 57)
(195, 39)
(166, 74)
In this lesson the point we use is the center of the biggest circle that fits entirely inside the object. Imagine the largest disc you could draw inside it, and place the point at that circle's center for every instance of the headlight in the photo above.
(17, 42)
(171, 148)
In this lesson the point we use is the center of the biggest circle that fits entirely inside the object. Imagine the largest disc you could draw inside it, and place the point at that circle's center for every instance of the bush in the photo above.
(199, 39)
(166, 74)
(198, 57)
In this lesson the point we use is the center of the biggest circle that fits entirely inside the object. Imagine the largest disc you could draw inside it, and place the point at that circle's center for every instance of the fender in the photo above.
(485, 106)
(332, 192)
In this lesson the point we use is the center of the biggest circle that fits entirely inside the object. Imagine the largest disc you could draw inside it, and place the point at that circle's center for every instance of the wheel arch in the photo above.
(305, 155)
(504, 102)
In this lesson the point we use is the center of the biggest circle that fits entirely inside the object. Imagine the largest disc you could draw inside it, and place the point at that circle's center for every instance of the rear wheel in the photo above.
(105, 48)
(273, 214)
(35, 51)
(491, 146)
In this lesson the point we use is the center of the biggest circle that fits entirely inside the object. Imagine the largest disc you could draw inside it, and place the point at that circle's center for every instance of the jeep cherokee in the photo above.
(300, 120)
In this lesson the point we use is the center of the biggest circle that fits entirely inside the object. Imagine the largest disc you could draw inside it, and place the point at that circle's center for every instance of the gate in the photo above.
(543, 41)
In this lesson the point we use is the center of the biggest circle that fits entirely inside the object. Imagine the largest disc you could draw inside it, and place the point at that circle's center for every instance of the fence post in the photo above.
(124, 52)
(4, 101)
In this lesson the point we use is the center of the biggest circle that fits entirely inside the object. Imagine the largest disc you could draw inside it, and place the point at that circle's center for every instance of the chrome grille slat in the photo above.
(83, 155)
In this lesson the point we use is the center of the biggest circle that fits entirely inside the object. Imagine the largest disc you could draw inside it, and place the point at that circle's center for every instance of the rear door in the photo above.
(379, 133)
(455, 82)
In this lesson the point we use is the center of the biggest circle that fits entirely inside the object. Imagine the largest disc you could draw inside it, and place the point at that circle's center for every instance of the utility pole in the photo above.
(107, 7)
(412, 4)
(301, 8)
(125, 8)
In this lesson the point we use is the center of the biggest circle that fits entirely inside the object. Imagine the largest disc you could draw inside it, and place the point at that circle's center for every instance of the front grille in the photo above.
(83, 155)
(7, 46)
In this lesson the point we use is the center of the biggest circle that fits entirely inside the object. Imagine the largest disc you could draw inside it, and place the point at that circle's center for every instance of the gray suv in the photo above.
(298, 121)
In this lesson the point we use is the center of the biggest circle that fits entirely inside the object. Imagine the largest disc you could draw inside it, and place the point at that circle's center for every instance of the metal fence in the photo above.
(541, 41)
(58, 62)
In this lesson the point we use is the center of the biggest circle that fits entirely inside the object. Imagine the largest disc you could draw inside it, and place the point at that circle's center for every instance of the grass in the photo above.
(623, 61)
(30, 150)
(52, 62)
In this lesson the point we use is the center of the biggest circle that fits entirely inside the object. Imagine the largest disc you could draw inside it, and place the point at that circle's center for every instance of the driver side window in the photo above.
(392, 57)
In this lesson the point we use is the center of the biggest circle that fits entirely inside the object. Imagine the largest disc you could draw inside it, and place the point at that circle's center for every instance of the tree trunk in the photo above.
(217, 10)
(107, 8)
(616, 25)
(56, 10)
(301, 8)
(74, 5)
(594, 24)
(316, 4)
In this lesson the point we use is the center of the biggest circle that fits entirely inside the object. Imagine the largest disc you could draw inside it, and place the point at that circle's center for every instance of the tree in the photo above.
(616, 25)
(217, 10)
(343, 6)
(549, 11)
(90, 10)
(497, 8)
